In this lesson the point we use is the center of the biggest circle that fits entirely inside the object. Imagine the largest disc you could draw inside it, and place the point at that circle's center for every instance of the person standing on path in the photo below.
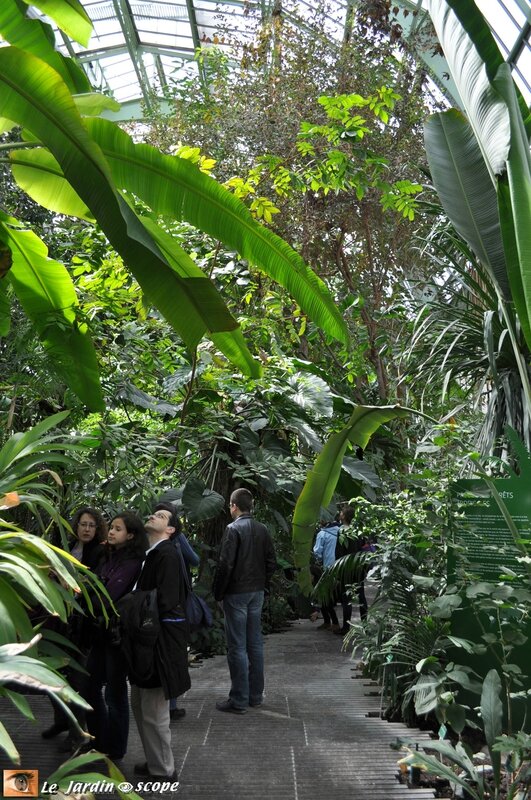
(149, 698)
(324, 551)
(246, 564)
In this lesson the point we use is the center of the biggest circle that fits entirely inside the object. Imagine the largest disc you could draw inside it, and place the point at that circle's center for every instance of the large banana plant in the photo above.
(322, 480)
(481, 162)
(90, 168)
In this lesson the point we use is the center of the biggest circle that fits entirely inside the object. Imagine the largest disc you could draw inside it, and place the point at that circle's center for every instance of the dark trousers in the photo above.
(347, 604)
(329, 614)
(109, 720)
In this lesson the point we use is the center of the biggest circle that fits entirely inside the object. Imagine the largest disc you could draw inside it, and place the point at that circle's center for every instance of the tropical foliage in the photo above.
(481, 166)
(209, 355)
(37, 579)
(84, 171)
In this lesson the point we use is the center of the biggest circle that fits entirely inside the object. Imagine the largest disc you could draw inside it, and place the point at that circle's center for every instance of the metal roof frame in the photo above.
(138, 45)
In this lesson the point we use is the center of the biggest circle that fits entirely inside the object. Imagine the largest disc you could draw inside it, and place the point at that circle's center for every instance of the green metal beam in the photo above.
(132, 41)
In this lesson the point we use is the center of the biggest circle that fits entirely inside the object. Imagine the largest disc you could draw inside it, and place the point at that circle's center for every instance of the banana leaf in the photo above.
(176, 188)
(322, 479)
(515, 205)
(466, 190)
(69, 15)
(36, 37)
(5, 309)
(474, 25)
(501, 123)
(47, 295)
(461, 30)
(26, 88)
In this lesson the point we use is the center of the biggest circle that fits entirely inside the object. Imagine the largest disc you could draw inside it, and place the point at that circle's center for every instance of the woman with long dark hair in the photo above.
(90, 532)
(118, 570)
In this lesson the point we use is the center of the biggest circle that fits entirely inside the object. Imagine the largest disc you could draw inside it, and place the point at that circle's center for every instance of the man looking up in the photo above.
(246, 563)
(162, 571)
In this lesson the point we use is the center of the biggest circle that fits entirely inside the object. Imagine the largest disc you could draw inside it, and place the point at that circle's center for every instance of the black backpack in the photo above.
(139, 631)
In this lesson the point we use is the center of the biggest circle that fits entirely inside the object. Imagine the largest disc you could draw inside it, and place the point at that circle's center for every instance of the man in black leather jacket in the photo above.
(246, 563)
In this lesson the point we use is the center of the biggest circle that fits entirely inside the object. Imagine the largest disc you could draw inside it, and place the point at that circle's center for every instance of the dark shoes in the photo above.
(342, 631)
(142, 770)
(226, 705)
(76, 745)
(54, 730)
(256, 704)
(177, 713)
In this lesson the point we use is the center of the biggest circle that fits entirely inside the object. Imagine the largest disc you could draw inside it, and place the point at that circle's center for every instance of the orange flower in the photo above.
(9, 500)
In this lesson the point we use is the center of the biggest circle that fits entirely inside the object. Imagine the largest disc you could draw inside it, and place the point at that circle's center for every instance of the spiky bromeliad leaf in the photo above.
(466, 190)
(174, 187)
(322, 479)
(46, 293)
(26, 86)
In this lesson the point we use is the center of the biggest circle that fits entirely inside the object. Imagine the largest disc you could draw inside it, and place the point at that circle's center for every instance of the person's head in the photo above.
(241, 502)
(127, 531)
(346, 515)
(163, 523)
(89, 526)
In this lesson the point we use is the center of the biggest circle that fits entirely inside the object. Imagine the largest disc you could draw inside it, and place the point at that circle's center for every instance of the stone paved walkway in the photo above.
(311, 739)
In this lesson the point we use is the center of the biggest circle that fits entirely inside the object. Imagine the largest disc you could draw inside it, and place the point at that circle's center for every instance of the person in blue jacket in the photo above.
(324, 551)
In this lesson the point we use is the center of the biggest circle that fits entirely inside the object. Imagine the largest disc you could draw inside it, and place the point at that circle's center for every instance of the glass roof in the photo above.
(138, 46)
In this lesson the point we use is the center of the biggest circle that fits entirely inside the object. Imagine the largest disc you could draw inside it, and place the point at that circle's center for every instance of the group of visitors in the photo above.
(336, 539)
(141, 563)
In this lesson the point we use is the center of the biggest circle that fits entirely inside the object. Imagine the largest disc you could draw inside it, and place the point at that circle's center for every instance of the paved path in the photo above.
(311, 739)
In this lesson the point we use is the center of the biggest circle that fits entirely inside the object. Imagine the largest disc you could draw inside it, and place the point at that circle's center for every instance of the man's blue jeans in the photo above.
(245, 647)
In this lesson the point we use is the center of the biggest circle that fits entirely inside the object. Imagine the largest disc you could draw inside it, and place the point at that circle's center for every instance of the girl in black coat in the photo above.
(90, 531)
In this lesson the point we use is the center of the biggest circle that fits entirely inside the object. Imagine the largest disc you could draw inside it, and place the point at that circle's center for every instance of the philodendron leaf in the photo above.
(311, 393)
(456, 716)
(492, 714)
(199, 502)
